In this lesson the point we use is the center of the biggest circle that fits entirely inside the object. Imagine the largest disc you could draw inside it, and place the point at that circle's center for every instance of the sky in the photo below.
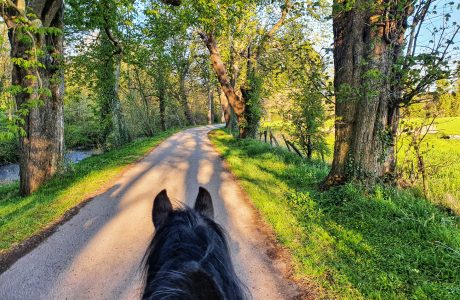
(435, 21)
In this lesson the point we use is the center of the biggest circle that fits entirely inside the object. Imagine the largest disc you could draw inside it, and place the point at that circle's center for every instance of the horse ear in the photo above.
(161, 208)
(203, 203)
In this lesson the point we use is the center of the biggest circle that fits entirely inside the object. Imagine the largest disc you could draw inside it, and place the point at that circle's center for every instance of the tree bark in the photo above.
(184, 101)
(42, 146)
(226, 113)
(162, 104)
(210, 106)
(118, 119)
(365, 39)
(219, 68)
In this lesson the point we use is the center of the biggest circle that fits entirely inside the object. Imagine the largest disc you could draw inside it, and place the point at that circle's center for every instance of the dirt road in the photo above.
(97, 254)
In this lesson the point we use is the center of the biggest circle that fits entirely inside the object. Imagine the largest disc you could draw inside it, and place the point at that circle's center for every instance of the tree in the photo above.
(212, 23)
(181, 55)
(35, 33)
(236, 102)
(304, 75)
(373, 79)
(105, 17)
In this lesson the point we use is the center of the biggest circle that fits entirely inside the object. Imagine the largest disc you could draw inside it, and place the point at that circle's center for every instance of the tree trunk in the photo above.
(118, 119)
(365, 115)
(210, 106)
(226, 113)
(161, 100)
(161, 88)
(108, 80)
(149, 126)
(42, 146)
(219, 68)
(309, 148)
(184, 102)
(390, 156)
(251, 112)
(250, 96)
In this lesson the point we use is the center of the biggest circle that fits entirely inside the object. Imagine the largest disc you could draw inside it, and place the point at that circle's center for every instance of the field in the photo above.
(448, 126)
(23, 217)
(442, 159)
(350, 243)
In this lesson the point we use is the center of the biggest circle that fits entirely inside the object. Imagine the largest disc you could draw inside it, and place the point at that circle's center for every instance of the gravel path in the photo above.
(97, 254)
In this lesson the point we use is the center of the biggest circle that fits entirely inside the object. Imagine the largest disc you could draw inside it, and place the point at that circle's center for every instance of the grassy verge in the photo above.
(353, 243)
(23, 217)
(443, 168)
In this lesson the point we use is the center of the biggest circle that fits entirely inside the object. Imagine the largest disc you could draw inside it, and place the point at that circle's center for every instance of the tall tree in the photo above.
(236, 102)
(35, 33)
(251, 88)
(213, 21)
(182, 53)
(373, 79)
(105, 17)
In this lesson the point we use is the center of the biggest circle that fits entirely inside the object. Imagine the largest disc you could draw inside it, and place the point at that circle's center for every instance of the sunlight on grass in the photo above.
(352, 243)
(22, 217)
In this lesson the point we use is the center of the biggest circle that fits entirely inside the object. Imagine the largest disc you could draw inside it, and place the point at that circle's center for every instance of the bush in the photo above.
(82, 129)
(9, 150)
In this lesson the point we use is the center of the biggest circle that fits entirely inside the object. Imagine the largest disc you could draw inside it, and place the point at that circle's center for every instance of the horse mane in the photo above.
(188, 258)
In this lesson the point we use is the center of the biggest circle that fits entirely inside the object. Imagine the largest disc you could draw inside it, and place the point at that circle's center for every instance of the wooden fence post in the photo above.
(286, 142)
(274, 138)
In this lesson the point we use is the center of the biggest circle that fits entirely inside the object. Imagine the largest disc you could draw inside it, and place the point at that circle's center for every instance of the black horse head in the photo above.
(188, 257)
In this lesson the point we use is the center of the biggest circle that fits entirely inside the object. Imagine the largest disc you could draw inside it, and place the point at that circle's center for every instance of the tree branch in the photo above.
(172, 2)
(418, 18)
(284, 12)
(7, 16)
(115, 41)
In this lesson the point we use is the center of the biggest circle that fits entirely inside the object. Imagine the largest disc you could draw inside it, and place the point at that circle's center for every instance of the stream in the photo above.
(10, 172)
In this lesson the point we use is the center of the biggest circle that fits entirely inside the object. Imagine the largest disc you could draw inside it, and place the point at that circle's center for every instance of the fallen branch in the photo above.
(295, 149)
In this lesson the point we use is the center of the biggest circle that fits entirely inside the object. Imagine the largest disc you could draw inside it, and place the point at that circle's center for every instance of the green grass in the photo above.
(442, 158)
(443, 161)
(449, 126)
(22, 217)
(351, 243)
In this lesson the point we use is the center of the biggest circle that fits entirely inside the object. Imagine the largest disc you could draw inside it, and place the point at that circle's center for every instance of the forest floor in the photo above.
(97, 253)
(350, 242)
